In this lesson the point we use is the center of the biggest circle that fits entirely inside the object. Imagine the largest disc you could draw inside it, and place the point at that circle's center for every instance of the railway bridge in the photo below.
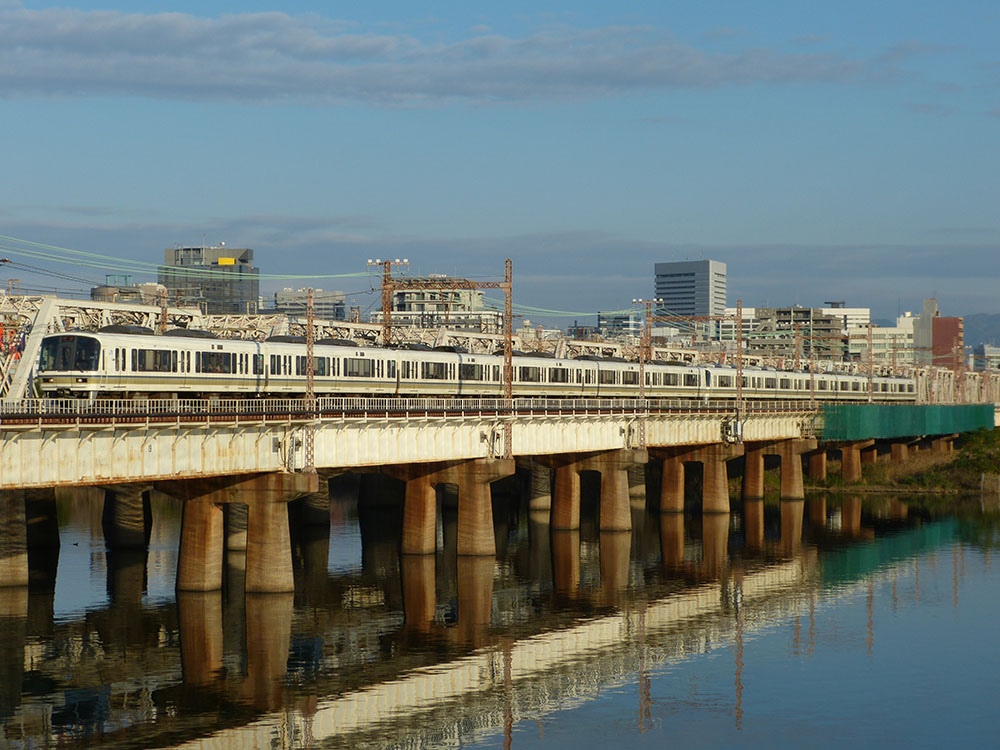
(235, 464)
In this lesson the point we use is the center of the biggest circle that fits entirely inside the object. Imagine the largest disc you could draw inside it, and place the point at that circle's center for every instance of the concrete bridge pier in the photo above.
(753, 471)
(13, 540)
(268, 549)
(235, 516)
(850, 459)
(565, 512)
(899, 452)
(40, 516)
(869, 456)
(791, 466)
(199, 618)
(127, 518)
(817, 464)
(616, 513)
(672, 481)
(715, 477)
(637, 485)
(475, 505)
(539, 489)
(943, 444)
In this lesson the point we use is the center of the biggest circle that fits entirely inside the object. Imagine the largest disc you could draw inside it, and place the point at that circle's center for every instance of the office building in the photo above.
(220, 279)
(696, 287)
(458, 309)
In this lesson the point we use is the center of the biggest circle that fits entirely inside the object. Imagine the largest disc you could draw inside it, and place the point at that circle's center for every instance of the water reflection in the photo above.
(414, 649)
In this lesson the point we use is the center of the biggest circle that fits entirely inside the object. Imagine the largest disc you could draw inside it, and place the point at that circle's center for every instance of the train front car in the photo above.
(70, 365)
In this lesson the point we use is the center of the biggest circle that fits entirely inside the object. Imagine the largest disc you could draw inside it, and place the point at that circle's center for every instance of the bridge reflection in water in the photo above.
(415, 649)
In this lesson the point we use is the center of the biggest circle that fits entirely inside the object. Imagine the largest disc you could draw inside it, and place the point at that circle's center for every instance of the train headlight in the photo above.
(81, 380)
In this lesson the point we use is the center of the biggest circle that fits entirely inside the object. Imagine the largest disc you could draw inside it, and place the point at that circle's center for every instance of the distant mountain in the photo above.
(982, 328)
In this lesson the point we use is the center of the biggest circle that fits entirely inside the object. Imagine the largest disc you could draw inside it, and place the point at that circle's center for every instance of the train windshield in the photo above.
(76, 353)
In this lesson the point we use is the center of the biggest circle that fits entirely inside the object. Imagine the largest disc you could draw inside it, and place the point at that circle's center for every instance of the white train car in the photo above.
(124, 363)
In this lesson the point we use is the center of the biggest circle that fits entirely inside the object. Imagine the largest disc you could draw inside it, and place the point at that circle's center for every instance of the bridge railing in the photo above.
(101, 411)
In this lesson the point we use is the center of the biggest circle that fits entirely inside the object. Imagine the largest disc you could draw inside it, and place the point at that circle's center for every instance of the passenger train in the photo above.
(128, 362)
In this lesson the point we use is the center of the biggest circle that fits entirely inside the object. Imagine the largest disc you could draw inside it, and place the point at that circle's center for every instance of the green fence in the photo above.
(865, 421)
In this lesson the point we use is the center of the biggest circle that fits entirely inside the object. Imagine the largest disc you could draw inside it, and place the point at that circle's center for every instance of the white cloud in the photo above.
(275, 56)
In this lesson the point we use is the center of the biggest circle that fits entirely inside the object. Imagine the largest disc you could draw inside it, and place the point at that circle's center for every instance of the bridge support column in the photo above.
(199, 561)
(753, 472)
(672, 484)
(869, 456)
(13, 539)
(817, 465)
(943, 444)
(539, 488)
(565, 513)
(269, 549)
(850, 462)
(616, 514)
(419, 517)
(127, 518)
(899, 453)
(40, 516)
(475, 505)
(637, 485)
(791, 466)
(715, 479)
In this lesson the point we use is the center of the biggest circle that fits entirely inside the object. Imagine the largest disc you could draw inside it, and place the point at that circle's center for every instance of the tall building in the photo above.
(222, 279)
(696, 287)
(327, 305)
(938, 341)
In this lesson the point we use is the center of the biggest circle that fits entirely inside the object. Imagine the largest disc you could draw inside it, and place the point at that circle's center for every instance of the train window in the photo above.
(607, 377)
(588, 377)
(355, 367)
(216, 362)
(844, 385)
(390, 369)
(909, 387)
(671, 378)
(496, 373)
(173, 361)
(558, 375)
(649, 378)
(770, 382)
(691, 379)
(785, 384)
(529, 374)
(258, 364)
(855, 386)
(470, 372)
(433, 370)
(821, 385)
(118, 356)
(630, 377)
(725, 381)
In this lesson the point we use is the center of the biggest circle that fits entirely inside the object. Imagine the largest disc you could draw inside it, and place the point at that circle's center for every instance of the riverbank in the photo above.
(972, 468)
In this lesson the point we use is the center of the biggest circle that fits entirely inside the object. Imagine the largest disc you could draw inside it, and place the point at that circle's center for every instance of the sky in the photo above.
(838, 151)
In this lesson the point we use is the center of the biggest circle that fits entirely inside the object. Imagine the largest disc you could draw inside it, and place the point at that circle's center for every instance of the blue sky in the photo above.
(843, 151)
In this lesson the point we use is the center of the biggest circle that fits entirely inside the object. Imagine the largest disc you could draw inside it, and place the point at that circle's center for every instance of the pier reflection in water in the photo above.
(689, 627)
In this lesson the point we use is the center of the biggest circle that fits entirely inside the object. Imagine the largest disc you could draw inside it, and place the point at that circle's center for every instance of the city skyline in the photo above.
(822, 153)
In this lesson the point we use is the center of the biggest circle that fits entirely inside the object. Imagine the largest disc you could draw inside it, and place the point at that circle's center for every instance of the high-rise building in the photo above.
(222, 279)
(696, 287)
(619, 324)
(456, 308)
